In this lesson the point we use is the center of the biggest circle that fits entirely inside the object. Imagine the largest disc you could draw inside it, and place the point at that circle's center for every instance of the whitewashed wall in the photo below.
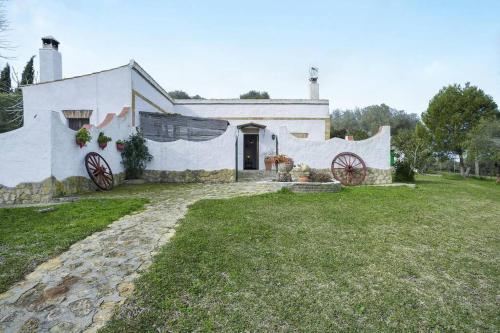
(375, 151)
(180, 155)
(103, 92)
(46, 147)
(310, 116)
(68, 158)
(25, 152)
(153, 94)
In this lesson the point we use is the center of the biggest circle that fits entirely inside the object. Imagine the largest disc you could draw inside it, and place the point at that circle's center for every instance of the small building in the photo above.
(211, 137)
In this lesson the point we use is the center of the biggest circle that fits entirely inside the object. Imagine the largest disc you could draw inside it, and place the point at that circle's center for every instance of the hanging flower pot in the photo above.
(103, 140)
(82, 137)
(120, 145)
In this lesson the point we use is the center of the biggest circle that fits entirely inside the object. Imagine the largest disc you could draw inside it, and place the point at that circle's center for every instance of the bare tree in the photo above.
(5, 45)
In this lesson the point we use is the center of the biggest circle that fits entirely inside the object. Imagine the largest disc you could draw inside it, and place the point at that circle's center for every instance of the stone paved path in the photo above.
(79, 290)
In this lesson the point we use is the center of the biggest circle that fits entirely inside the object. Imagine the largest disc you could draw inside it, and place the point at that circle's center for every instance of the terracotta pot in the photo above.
(304, 179)
(103, 145)
(120, 147)
(285, 166)
(269, 162)
(80, 143)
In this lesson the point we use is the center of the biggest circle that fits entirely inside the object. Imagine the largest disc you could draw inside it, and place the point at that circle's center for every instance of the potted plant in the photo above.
(301, 172)
(269, 162)
(82, 137)
(103, 140)
(120, 145)
(285, 163)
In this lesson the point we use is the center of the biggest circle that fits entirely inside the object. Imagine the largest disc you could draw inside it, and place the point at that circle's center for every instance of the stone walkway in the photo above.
(79, 290)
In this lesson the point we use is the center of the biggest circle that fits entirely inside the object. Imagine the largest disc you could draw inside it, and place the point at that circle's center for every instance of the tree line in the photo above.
(461, 124)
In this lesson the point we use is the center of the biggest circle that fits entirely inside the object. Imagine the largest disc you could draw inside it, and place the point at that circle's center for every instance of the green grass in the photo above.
(28, 237)
(366, 259)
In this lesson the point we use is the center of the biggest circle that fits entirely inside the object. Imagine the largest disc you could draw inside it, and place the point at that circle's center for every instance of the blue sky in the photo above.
(368, 52)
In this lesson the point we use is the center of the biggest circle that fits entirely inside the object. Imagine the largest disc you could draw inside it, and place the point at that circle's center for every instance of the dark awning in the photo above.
(250, 125)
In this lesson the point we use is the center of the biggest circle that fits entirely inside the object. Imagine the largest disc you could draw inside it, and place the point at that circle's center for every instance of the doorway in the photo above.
(251, 152)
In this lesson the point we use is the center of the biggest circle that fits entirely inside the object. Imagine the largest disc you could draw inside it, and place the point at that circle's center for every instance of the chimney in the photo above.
(313, 83)
(50, 60)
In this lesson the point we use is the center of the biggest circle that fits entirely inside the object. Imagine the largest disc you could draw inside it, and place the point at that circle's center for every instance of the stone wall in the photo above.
(48, 189)
(373, 176)
(189, 176)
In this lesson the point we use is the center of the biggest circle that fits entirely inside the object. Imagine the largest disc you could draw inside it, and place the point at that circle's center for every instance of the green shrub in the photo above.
(135, 156)
(403, 172)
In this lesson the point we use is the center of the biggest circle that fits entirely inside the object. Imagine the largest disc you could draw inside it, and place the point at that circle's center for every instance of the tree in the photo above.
(483, 143)
(178, 94)
(253, 94)
(413, 147)
(28, 75)
(11, 111)
(5, 81)
(452, 113)
(370, 118)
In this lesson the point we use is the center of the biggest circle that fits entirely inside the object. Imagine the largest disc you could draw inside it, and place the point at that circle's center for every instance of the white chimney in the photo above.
(313, 83)
(50, 60)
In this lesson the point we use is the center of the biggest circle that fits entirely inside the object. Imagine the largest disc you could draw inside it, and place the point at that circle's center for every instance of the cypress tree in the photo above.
(5, 83)
(28, 72)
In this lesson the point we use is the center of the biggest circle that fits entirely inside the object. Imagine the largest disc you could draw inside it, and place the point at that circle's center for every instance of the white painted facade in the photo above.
(46, 147)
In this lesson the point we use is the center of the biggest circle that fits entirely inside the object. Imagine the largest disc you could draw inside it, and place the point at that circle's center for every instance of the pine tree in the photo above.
(28, 73)
(5, 83)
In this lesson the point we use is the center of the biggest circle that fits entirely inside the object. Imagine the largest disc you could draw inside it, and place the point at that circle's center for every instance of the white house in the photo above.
(113, 100)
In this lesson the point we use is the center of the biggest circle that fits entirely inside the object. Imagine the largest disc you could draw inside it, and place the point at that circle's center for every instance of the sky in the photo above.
(368, 52)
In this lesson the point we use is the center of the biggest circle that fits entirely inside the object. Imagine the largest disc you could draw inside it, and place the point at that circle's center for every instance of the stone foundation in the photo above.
(373, 176)
(313, 187)
(45, 191)
(189, 176)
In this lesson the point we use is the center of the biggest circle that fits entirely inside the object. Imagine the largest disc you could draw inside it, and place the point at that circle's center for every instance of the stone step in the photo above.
(255, 175)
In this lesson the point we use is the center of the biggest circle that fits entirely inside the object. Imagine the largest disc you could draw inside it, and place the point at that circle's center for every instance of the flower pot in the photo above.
(103, 145)
(269, 162)
(120, 147)
(304, 179)
(80, 143)
(285, 166)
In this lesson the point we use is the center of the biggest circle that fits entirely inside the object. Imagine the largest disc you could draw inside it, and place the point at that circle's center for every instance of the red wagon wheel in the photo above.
(348, 169)
(99, 171)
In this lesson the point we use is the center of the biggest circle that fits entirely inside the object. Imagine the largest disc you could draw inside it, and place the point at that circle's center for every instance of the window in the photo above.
(77, 118)
(77, 123)
(300, 135)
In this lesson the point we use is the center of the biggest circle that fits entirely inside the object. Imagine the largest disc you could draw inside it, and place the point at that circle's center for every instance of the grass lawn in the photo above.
(366, 259)
(28, 238)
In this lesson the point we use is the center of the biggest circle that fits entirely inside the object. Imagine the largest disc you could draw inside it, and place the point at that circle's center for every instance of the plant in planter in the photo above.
(135, 156)
(285, 163)
(120, 145)
(103, 140)
(301, 173)
(82, 137)
(269, 161)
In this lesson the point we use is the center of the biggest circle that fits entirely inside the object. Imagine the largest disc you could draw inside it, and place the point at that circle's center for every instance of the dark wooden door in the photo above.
(251, 152)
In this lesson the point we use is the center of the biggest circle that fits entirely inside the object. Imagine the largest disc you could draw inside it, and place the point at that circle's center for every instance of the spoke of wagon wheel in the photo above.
(340, 162)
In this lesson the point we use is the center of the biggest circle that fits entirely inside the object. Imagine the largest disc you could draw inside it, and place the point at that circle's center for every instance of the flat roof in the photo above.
(251, 101)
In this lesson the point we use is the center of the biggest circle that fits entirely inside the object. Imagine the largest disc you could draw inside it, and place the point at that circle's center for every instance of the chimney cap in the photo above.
(50, 42)
(313, 74)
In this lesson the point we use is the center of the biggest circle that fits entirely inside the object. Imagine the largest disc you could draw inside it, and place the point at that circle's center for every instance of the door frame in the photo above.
(256, 159)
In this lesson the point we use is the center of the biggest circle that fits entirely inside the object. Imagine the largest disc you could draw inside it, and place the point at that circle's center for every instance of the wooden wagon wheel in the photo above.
(99, 171)
(348, 169)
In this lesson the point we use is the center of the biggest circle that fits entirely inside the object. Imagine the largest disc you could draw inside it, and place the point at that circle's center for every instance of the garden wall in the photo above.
(375, 152)
(41, 160)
